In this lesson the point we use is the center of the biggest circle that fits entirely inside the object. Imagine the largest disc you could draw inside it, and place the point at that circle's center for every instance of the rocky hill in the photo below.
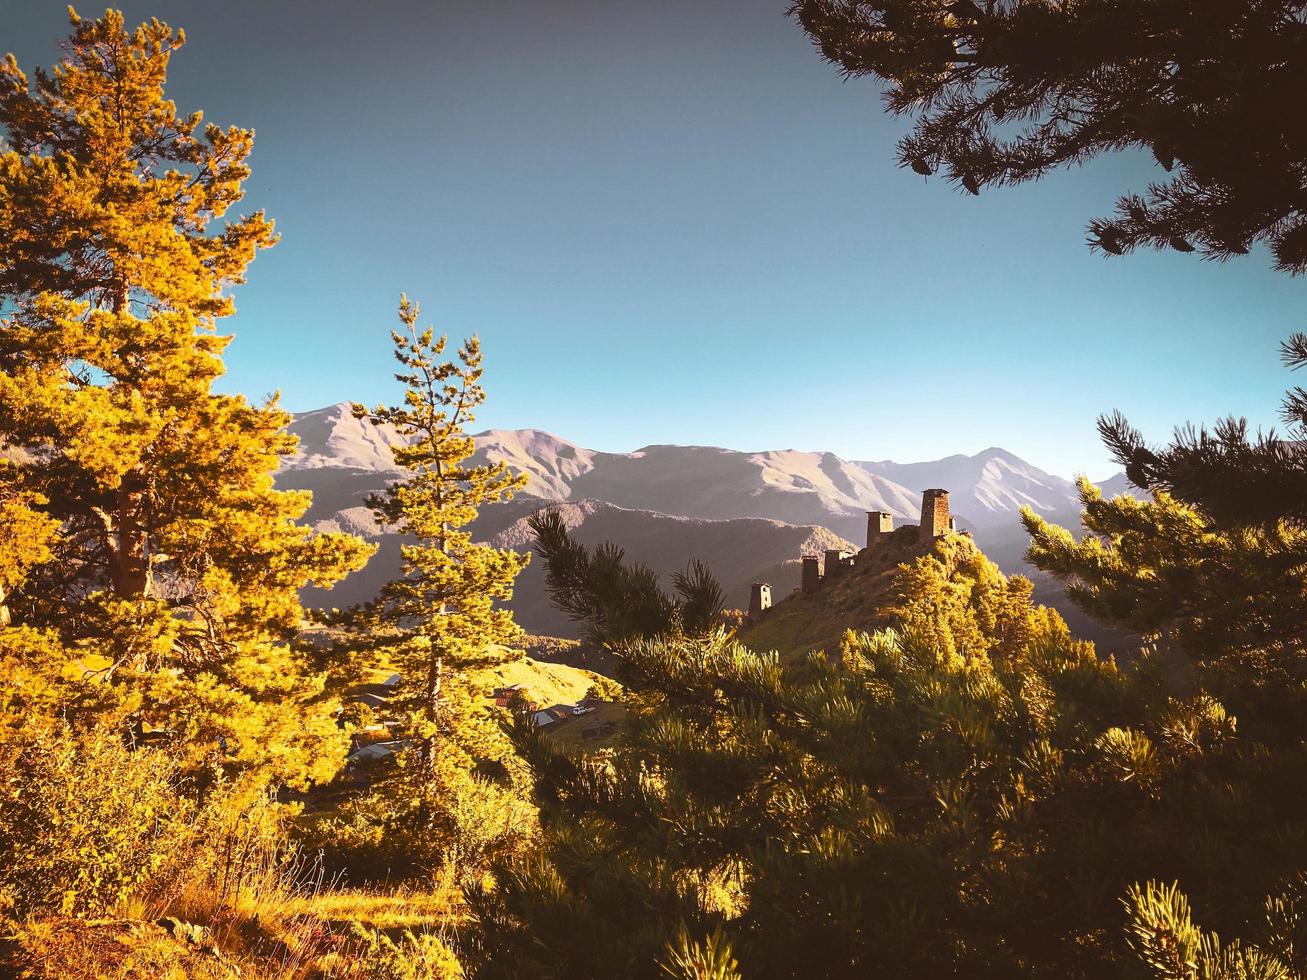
(859, 600)
(860, 597)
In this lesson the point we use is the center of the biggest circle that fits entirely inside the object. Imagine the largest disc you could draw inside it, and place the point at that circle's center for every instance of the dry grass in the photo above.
(264, 911)
(399, 909)
(116, 949)
(297, 935)
(246, 904)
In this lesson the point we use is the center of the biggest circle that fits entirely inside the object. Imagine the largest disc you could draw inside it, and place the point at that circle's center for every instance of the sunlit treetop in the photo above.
(168, 549)
(108, 193)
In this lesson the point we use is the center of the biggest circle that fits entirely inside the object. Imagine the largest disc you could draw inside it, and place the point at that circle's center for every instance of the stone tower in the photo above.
(759, 599)
(811, 580)
(934, 514)
(835, 562)
(879, 526)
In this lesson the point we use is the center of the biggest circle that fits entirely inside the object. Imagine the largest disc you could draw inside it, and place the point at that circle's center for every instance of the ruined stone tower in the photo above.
(934, 514)
(880, 525)
(811, 580)
(759, 599)
(837, 561)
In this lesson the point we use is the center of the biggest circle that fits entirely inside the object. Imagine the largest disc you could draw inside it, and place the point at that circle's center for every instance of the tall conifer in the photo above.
(175, 555)
(445, 604)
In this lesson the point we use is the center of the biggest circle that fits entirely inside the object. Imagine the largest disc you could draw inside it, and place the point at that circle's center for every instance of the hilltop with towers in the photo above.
(884, 540)
(841, 591)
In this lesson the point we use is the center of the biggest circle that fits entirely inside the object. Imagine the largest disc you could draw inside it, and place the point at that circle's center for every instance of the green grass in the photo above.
(567, 733)
(544, 683)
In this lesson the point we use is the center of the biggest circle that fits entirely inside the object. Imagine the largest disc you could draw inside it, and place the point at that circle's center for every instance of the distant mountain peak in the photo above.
(998, 452)
(711, 482)
(750, 514)
(332, 436)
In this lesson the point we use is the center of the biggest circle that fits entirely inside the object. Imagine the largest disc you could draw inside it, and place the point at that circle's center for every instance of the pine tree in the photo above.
(1171, 946)
(615, 601)
(443, 613)
(456, 796)
(1004, 91)
(175, 557)
(896, 808)
(1236, 478)
(1232, 596)
(1213, 568)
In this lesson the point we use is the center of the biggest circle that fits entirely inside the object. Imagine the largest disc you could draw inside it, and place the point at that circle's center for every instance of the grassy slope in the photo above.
(545, 683)
(859, 599)
(568, 732)
(304, 935)
(551, 683)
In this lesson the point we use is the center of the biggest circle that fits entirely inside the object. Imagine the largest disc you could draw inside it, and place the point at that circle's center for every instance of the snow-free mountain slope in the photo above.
(714, 483)
(739, 552)
(717, 484)
(332, 436)
(986, 488)
(751, 515)
(691, 481)
(552, 465)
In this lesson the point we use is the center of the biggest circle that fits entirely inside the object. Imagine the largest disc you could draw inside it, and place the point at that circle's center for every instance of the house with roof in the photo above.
(375, 752)
(504, 696)
(554, 713)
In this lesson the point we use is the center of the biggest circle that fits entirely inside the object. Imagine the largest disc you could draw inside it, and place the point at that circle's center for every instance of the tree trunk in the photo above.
(435, 676)
(131, 571)
(436, 663)
(131, 561)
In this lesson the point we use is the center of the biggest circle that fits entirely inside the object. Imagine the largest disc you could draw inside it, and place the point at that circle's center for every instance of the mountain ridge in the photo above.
(749, 515)
(714, 482)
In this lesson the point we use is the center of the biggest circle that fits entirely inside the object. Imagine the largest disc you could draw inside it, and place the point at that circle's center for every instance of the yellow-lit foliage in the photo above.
(84, 821)
(175, 557)
(971, 794)
(1224, 596)
(458, 810)
(961, 605)
(413, 956)
(457, 795)
(25, 537)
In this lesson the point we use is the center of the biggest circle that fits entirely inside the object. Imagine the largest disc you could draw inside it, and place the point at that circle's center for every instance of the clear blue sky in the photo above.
(672, 222)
